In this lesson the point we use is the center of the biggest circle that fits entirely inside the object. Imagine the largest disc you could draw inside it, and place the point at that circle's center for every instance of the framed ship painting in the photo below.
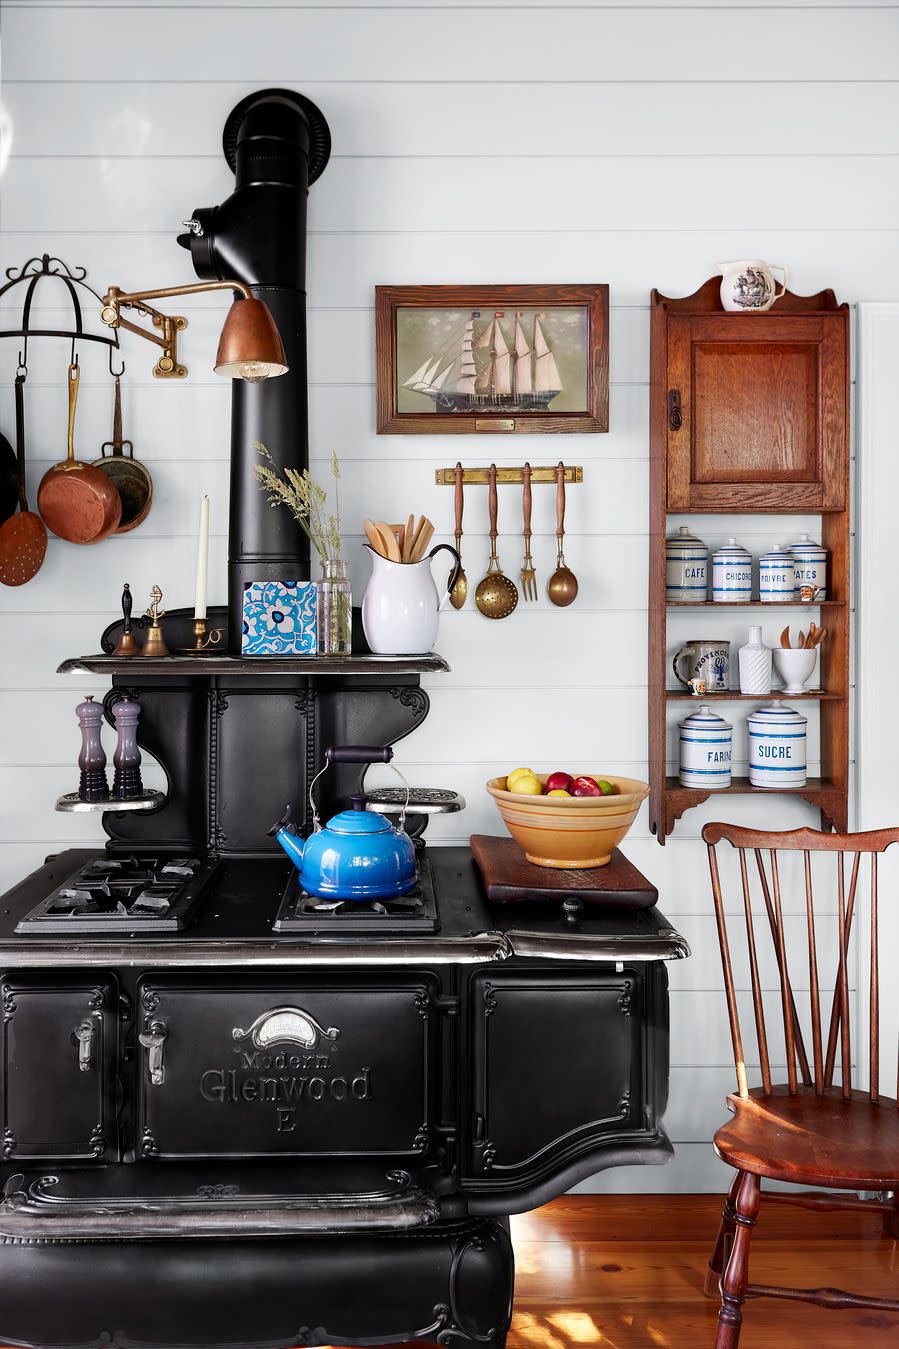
(463, 359)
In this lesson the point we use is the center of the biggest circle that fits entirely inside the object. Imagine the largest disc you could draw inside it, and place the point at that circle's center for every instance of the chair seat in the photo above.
(813, 1140)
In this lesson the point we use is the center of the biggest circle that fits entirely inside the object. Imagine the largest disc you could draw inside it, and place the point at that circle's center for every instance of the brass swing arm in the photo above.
(167, 367)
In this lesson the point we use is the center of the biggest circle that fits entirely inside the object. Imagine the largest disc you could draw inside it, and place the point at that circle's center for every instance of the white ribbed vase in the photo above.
(755, 664)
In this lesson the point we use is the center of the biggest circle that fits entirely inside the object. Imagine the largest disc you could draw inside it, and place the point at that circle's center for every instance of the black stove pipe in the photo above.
(277, 142)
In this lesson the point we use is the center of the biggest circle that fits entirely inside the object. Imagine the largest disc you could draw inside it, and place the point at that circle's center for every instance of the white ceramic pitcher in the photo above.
(401, 607)
(748, 287)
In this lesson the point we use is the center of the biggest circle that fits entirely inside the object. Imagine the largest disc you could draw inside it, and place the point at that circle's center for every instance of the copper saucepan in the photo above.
(77, 500)
(131, 478)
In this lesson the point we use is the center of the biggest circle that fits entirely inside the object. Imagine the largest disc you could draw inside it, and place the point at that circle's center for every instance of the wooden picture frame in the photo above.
(463, 360)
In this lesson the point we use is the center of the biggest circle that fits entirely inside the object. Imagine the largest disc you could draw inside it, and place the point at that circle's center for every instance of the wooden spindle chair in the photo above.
(809, 1130)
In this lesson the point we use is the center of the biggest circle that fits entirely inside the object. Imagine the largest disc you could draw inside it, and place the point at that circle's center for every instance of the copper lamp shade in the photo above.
(250, 346)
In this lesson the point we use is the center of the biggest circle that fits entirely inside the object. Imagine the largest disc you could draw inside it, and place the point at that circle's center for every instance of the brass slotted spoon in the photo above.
(496, 596)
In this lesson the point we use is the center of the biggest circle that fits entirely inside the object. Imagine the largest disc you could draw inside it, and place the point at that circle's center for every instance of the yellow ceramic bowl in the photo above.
(570, 832)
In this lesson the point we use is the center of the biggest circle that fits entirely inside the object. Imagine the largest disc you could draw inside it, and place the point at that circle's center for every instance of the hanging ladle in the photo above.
(562, 587)
(496, 596)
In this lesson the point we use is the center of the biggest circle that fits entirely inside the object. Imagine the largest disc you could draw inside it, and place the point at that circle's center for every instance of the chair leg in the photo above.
(712, 1286)
(736, 1271)
(891, 1219)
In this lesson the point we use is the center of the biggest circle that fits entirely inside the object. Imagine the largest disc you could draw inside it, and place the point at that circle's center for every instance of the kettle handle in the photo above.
(454, 574)
(357, 754)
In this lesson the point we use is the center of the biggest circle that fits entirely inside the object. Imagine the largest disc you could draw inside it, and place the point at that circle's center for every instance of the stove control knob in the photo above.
(153, 1040)
(85, 1037)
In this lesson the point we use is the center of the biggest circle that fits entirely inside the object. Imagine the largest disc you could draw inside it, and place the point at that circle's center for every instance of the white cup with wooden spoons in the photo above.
(401, 606)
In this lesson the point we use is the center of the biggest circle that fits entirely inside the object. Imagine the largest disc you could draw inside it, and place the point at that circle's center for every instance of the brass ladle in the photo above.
(496, 596)
(562, 587)
(459, 592)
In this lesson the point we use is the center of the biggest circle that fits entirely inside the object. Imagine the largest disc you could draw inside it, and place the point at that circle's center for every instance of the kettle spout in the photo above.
(284, 832)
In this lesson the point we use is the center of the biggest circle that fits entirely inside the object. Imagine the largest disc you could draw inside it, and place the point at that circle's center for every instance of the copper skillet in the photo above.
(77, 500)
(131, 478)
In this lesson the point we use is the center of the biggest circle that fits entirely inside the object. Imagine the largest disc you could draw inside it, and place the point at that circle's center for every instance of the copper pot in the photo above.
(77, 500)
(131, 478)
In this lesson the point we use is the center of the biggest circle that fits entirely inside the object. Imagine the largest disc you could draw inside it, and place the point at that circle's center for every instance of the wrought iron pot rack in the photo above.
(31, 274)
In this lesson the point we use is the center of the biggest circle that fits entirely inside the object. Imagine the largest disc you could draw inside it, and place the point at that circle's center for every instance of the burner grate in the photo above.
(118, 894)
(305, 915)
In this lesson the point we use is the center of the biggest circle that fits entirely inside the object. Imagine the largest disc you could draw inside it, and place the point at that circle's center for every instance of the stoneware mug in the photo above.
(707, 660)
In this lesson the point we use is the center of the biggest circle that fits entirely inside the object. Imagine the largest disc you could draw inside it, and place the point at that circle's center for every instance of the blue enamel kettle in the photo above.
(357, 855)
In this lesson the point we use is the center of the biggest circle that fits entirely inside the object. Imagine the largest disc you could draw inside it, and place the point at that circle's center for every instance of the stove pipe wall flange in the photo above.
(277, 142)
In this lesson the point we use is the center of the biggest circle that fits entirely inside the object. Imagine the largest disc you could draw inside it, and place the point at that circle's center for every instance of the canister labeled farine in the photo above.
(731, 574)
(706, 749)
(777, 747)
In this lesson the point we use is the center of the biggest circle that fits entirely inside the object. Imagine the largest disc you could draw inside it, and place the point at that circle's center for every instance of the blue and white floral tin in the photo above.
(777, 747)
(731, 574)
(686, 567)
(777, 576)
(810, 561)
(279, 619)
(706, 749)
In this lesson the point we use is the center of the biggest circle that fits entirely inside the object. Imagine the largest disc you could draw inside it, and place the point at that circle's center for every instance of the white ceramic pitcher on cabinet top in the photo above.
(748, 287)
(401, 607)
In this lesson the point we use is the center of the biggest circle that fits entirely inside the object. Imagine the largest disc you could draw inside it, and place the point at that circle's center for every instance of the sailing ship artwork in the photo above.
(492, 360)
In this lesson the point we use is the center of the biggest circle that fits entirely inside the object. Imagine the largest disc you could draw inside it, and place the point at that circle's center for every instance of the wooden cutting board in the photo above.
(509, 878)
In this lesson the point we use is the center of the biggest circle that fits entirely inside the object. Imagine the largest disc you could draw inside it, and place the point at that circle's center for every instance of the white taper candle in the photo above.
(202, 560)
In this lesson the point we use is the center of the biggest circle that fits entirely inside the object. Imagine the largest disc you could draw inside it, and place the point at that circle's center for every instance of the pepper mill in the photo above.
(127, 782)
(127, 645)
(92, 785)
(155, 642)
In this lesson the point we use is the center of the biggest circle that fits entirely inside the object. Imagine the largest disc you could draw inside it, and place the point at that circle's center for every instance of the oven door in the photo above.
(313, 1066)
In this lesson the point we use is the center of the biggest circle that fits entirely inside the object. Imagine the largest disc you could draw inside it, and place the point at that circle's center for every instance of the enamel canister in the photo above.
(731, 574)
(777, 576)
(686, 567)
(777, 747)
(706, 747)
(810, 561)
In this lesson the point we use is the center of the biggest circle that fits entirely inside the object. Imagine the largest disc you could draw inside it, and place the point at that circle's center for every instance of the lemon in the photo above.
(519, 773)
(527, 784)
(558, 791)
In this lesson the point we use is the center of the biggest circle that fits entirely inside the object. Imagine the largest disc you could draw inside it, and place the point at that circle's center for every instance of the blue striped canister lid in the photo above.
(706, 748)
(777, 747)
(777, 575)
(731, 573)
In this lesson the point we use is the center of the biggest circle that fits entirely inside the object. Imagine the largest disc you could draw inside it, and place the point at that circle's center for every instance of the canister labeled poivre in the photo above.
(686, 567)
(810, 561)
(777, 747)
(777, 576)
(706, 749)
(731, 574)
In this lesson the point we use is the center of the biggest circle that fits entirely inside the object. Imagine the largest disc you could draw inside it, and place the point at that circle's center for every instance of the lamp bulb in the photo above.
(254, 372)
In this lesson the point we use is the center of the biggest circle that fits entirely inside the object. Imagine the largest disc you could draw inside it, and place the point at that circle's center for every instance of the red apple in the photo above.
(558, 782)
(584, 786)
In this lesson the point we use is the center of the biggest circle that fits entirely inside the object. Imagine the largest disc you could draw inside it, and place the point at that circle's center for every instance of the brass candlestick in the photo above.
(155, 642)
(203, 638)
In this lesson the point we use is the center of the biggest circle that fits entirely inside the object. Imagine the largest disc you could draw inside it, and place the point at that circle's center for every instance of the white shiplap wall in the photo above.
(633, 144)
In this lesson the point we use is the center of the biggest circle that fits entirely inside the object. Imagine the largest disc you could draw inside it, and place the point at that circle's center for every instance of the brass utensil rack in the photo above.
(446, 477)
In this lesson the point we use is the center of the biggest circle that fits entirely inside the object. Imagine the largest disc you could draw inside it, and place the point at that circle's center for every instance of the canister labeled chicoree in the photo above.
(777, 576)
(777, 747)
(810, 562)
(706, 749)
(686, 567)
(731, 574)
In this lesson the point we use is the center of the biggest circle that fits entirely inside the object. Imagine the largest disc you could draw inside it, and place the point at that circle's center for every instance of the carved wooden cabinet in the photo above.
(749, 413)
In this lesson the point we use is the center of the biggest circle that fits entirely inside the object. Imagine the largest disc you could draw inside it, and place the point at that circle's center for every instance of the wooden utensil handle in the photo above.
(74, 376)
(526, 499)
(493, 503)
(459, 501)
(560, 499)
(117, 418)
(20, 441)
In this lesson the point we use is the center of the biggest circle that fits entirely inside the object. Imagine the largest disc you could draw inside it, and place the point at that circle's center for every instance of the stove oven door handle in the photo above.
(153, 1039)
(84, 1036)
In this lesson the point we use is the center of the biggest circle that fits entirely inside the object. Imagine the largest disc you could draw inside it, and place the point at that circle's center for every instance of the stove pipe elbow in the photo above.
(277, 143)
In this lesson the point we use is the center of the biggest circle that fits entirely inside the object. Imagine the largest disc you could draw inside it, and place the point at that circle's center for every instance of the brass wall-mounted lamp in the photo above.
(250, 346)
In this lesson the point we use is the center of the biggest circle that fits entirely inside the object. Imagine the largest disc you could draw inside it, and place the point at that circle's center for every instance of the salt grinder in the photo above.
(92, 785)
(127, 645)
(127, 783)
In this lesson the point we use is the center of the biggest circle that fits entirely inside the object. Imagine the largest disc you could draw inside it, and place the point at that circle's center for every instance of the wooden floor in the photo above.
(626, 1272)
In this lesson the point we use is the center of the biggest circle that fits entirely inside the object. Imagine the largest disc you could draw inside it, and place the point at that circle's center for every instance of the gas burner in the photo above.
(118, 894)
(300, 913)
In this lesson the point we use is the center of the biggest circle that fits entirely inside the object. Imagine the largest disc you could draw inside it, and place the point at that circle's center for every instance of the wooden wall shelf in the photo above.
(682, 695)
(749, 414)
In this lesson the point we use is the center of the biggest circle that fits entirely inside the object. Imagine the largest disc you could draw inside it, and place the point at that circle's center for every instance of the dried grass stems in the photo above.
(306, 500)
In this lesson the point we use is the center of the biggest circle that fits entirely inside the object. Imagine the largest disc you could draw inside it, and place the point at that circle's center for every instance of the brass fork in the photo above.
(528, 571)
